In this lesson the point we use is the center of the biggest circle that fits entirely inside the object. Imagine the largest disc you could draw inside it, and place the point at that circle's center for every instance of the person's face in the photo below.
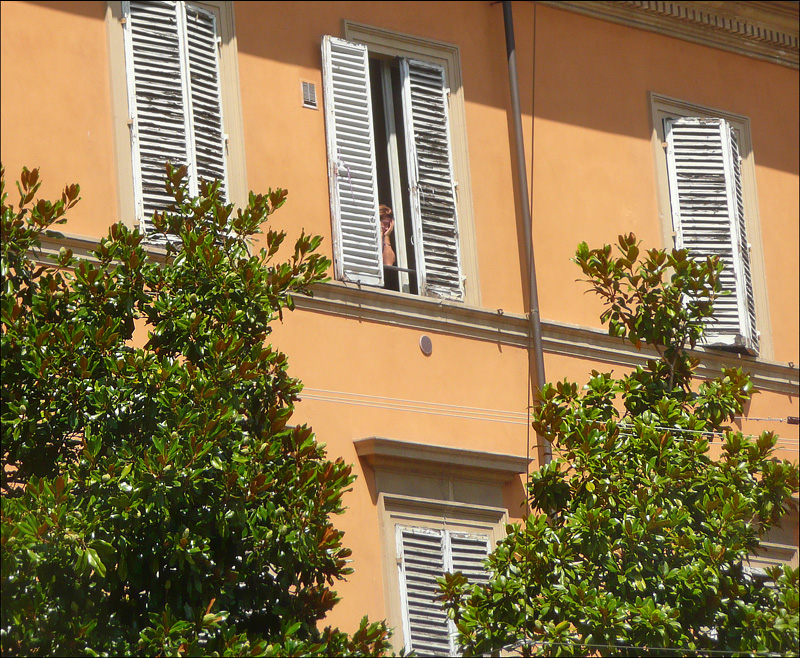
(386, 221)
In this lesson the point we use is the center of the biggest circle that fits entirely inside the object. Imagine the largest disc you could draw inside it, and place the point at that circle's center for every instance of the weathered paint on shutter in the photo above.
(157, 100)
(351, 162)
(174, 98)
(422, 560)
(708, 217)
(467, 553)
(207, 132)
(430, 173)
(425, 554)
(744, 272)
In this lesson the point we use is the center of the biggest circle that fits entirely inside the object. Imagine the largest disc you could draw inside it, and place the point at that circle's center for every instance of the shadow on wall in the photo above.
(589, 72)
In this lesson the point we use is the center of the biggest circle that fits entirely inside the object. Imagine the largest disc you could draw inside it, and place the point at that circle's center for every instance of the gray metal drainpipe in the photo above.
(522, 181)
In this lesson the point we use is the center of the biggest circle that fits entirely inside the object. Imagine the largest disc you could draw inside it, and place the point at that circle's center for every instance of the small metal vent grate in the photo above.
(309, 94)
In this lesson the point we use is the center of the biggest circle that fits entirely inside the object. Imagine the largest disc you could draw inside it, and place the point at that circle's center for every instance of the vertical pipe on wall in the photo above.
(522, 181)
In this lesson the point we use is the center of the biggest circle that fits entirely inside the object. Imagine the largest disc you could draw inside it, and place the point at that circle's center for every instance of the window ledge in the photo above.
(496, 325)
(422, 458)
(403, 309)
(83, 245)
(513, 329)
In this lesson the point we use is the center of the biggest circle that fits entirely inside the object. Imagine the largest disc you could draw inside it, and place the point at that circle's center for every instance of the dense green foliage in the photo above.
(640, 529)
(155, 499)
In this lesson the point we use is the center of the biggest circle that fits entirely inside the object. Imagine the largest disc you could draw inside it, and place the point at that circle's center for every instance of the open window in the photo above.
(389, 144)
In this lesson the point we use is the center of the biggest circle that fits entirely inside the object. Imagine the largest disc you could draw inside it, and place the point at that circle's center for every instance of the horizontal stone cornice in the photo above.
(347, 300)
(513, 329)
(764, 30)
(427, 459)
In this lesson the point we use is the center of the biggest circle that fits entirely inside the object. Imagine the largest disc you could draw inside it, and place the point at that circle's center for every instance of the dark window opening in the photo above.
(392, 171)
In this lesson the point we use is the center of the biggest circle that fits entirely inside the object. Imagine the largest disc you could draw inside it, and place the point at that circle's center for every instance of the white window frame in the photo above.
(664, 107)
(393, 44)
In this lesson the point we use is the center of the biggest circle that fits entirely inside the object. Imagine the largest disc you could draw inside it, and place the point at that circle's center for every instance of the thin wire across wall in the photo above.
(505, 416)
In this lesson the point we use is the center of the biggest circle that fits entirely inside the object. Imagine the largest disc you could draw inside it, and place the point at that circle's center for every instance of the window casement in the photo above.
(174, 86)
(439, 509)
(389, 143)
(172, 63)
(424, 554)
(708, 203)
(705, 189)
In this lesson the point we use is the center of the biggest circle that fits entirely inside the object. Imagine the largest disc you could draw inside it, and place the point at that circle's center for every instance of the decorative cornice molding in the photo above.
(441, 461)
(764, 30)
(512, 329)
(586, 343)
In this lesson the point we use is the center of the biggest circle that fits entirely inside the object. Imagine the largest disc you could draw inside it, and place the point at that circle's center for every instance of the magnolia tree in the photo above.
(638, 539)
(155, 499)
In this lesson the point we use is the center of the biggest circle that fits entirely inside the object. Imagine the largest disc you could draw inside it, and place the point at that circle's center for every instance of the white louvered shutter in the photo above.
(208, 138)
(157, 99)
(174, 98)
(425, 554)
(705, 186)
(430, 173)
(422, 560)
(351, 162)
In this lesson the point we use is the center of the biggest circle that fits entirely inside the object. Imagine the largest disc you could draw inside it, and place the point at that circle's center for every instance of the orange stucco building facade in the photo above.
(428, 394)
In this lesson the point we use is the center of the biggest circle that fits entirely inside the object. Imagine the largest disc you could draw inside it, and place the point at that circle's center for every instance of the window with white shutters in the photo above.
(424, 555)
(705, 189)
(174, 98)
(389, 143)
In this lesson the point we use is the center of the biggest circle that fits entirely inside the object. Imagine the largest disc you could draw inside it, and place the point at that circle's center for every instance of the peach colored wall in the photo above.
(56, 104)
(593, 166)
(341, 358)
(593, 177)
(593, 162)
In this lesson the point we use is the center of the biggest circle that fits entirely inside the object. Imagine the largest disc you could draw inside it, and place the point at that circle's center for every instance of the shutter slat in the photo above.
(469, 553)
(351, 162)
(430, 171)
(708, 216)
